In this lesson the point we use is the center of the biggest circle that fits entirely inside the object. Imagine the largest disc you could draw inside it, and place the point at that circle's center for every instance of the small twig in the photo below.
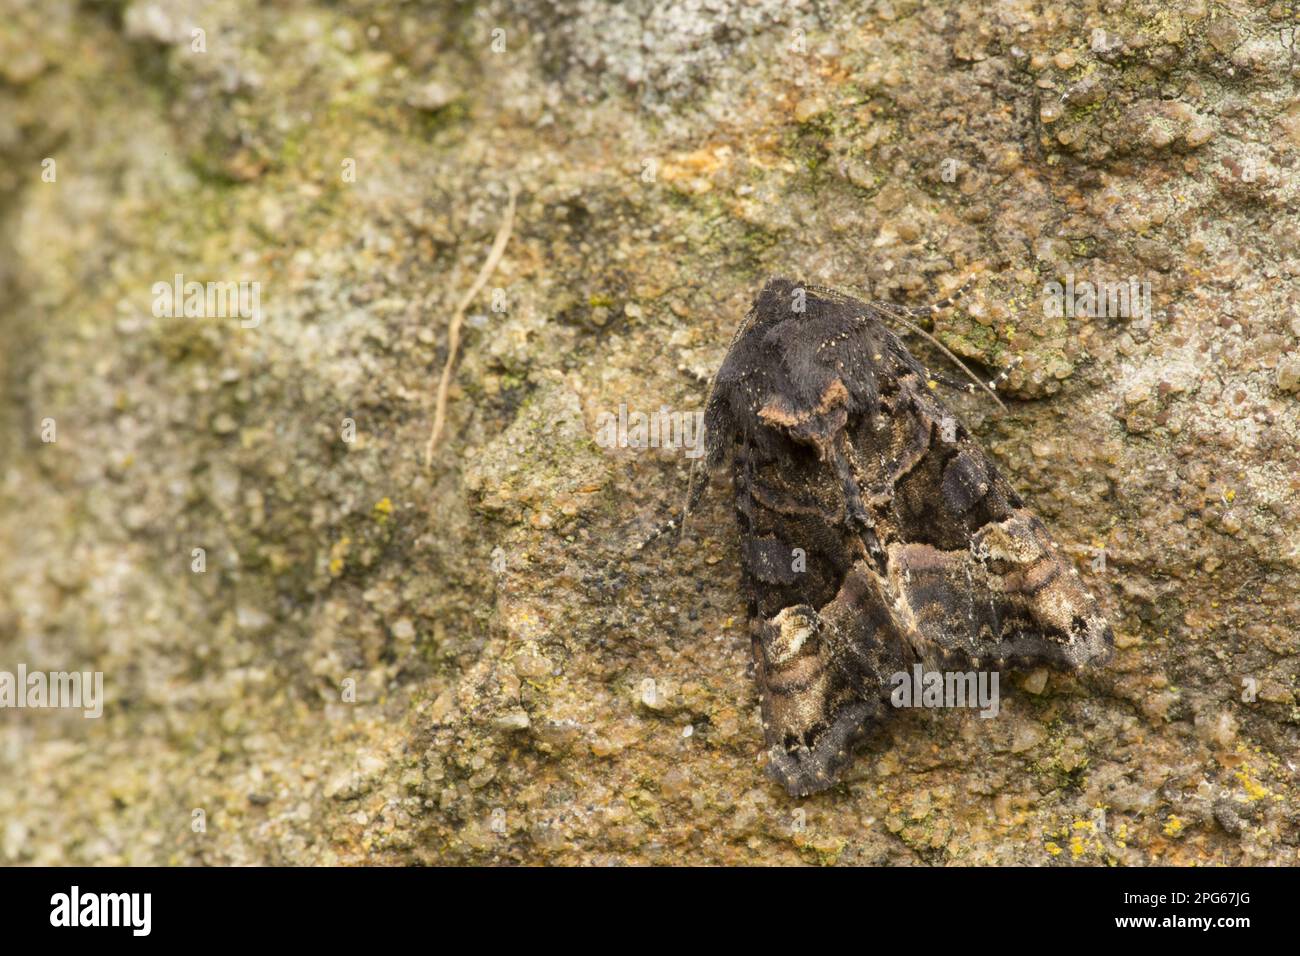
(457, 317)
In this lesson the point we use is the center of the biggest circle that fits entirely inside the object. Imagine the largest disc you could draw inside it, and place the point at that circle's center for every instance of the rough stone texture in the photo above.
(669, 157)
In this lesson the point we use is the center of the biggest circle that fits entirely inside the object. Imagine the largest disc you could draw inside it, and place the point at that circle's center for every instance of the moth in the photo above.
(874, 531)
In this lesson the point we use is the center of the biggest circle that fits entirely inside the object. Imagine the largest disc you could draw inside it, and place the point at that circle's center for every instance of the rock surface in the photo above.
(381, 662)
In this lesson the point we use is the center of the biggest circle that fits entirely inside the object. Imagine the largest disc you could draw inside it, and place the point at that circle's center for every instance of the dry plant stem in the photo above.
(458, 317)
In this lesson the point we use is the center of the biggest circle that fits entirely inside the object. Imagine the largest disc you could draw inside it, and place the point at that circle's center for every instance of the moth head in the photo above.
(791, 634)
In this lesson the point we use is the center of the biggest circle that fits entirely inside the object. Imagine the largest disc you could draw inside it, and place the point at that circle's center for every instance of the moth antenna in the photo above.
(901, 311)
(923, 311)
(1002, 376)
(694, 493)
(956, 361)
(657, 533)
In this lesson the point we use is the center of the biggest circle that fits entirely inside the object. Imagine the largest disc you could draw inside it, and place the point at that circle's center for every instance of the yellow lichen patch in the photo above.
(339, 555)
(1053, 849)
(1173, 826)
(1254, 789)
(383, 508)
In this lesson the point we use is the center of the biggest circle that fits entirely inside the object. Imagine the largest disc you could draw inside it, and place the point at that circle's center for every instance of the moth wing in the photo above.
(822, 677)
(1009, 600)
(972, 575)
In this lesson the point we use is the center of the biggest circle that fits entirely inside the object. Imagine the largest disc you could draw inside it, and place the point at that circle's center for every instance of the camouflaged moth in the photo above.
(875, 533)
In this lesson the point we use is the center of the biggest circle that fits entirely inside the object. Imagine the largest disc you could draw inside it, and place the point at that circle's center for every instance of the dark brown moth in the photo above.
(875, 532)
